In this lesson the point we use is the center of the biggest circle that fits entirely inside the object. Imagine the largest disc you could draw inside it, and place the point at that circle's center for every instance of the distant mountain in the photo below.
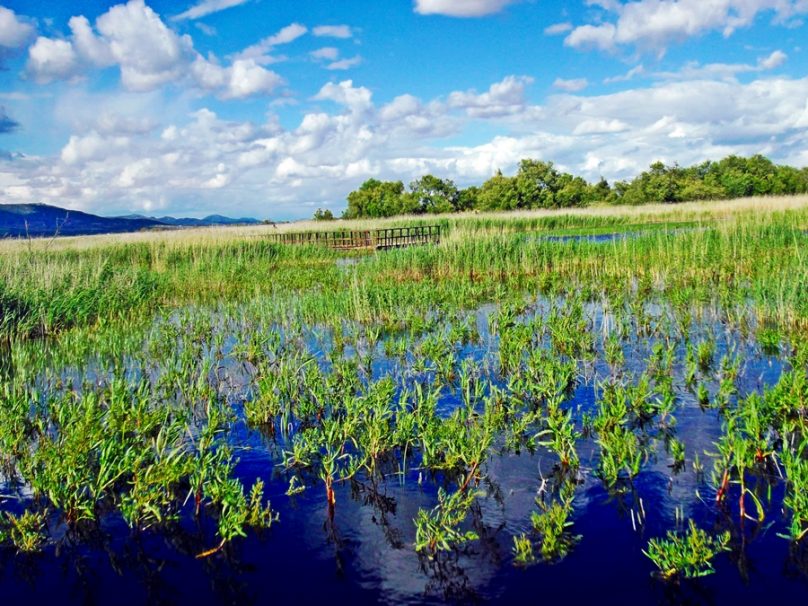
(21, 220)
(36, 220)
(210, 220)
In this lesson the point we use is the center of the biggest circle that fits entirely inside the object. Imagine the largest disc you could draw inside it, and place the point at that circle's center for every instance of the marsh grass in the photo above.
(757, 254)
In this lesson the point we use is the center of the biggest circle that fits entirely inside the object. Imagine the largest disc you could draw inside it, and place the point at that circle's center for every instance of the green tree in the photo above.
(572, 191)
(468, 198)
(599, 192)
(376, 198)
(537, 183)
(434, 195)
(323, 215)
(499, 193)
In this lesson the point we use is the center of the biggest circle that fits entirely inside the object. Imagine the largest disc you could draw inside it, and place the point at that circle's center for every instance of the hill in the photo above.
(38, 220)
(210, 220)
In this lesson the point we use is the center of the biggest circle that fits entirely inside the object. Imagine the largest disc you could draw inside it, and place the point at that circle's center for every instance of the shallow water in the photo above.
(623, 235)
(366, 555)
(616, 236)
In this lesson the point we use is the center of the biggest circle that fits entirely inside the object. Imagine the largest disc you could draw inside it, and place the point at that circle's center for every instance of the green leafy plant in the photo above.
(687, 555)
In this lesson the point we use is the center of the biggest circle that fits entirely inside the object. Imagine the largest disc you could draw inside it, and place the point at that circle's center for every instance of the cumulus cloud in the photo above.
(52, 60)
(344, 93)
(14, 32)
(460, 8)
(652, 25)
(207, 7)
(197, 161)
(501, 99)
(148, 54)
(243, 78)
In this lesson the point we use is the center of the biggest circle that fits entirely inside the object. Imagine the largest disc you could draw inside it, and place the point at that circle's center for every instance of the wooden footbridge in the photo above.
(378, 239)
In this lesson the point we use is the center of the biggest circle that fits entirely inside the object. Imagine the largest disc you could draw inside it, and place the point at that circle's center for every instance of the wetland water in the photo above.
(364, 552)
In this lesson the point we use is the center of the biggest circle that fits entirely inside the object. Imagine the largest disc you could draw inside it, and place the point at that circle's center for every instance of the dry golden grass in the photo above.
(212, 236)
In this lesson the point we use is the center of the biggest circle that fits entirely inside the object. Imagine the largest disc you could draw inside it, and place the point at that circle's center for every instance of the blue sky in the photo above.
(273, 108)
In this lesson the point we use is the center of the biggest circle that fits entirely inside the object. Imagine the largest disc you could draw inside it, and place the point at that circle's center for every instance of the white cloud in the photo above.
(206, 29)
(89, 46)
(401, 107)
(149, 55)
(592, 36)
(245, 79)
(773, 61)
(286, 35)
(558, 28)
(595, 126)
(261, 50)
(328, 53)
(651, 25)
(344, 93)
(572, 85)
(195, 161)
(14, 32)
(333, 31)
(344, 64)
(635, 71)
(52, 60)
(502, 98)
(207, 7)
(91, 147)
(714, 71)
(460, 8)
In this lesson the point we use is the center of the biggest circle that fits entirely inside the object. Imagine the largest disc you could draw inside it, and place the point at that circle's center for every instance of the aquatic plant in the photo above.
(25, 532)
(795, 500)
(553, 523)
(522, 550)
(437, 529)
(687, 555)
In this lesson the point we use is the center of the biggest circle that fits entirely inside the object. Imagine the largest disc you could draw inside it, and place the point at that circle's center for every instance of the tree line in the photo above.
(539, 184)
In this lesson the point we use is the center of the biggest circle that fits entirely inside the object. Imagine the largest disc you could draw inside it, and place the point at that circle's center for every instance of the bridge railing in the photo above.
(379, 239)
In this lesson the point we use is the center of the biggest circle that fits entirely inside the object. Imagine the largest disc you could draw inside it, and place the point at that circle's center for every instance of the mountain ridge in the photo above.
(45, 220)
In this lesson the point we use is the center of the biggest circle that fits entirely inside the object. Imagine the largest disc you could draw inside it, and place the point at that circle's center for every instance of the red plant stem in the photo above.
(468, 478)
(723, 488)
(210, 552)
